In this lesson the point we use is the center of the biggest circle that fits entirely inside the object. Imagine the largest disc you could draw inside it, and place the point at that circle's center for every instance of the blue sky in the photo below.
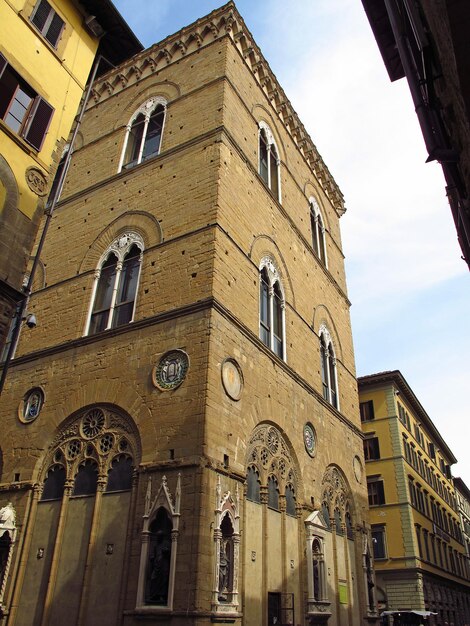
(410, 290)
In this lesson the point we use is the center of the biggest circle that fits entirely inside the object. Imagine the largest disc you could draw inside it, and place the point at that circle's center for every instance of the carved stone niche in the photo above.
(318, 604)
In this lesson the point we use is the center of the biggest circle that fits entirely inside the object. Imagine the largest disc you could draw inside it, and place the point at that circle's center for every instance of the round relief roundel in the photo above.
(171, 370)
(92, 423)
(309, 439)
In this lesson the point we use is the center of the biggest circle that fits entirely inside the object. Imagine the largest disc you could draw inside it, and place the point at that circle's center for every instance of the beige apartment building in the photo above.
(421, 562)
(181, 435)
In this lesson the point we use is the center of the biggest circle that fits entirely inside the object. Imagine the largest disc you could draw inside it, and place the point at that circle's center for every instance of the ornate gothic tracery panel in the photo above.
(270, 458)
(98, 438)
(336, 500)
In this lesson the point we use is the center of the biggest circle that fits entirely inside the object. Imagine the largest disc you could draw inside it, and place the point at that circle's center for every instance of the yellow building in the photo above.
(420, 556)
(47, 50)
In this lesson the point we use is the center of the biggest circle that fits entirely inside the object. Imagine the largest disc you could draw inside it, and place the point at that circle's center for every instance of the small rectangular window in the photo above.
(367, 410)
(371, 448)
(48, 22)
(378, 542)
(375, 491)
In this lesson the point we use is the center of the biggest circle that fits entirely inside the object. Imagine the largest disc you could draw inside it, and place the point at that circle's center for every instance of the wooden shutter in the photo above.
(3, 64)
(38, 123)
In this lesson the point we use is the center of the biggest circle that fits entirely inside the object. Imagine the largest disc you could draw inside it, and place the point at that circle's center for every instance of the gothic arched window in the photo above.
(158, 572)
(328, 368)
(269, 162)
(318, 231)
(253, 486)
(290, 501)
(120, 474)
(54, 484)
(115, 286)
(273, 493)
(144, 133)
(86, 479)
(272, 308)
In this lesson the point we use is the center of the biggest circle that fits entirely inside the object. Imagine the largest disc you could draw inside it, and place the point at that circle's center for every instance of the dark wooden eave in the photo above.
(378, 18)
(119, 42)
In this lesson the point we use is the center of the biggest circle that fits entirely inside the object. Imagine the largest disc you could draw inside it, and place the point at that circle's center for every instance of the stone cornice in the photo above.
(222, 22)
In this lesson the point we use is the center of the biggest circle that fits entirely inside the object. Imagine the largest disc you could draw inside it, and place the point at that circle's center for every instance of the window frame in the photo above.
(379, 530)
(317, 224)
(48, 22)
(376, 492)
(270, 281)
(371, 448)
(147, 109)
(328, 367)
(273, 183)
(366, 410)
(34, 123)
(120, 248)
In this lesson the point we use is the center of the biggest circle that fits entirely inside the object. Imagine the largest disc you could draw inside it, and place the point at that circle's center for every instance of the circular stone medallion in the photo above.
(171, 370)
(232, 379)
(357, 466)
(310, 439)
(31, 405)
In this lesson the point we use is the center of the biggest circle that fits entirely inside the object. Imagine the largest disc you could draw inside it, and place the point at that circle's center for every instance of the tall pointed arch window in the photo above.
(318, 232)
(328, 368)
(115, 286)
(144, 133)
(272, 309)
(269, 162)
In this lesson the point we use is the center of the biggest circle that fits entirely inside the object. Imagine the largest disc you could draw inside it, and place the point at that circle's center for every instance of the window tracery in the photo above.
(318, 231)
(115, 286)
(328, 368)
(336, 498)
(269, 161)
(272, 308)
(271, 469)
(85, 453)
(144, 133)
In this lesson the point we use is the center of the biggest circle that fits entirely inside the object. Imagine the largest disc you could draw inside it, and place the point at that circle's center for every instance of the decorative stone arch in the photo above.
(319, 230)
(313, 191)
(322, 319)
(270, 453)
(158, 559)
(264, 246)
(165, 90)
(266, 120)
(97, 434)
(7, 543)
(328, 366)
(336, 493)
(142, 223)
(226, 552)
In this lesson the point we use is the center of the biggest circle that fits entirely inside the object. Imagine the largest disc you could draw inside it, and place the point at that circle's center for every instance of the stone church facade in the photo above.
(181, 440)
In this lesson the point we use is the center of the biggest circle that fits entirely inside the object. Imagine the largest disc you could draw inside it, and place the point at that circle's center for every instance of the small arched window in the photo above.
(318, 231)
(328, 368)
(273, 493)
(120, 474)
(253, 485)
(326, 514)
(269, 162)
(272, 309)
(54, 483)
(115, 286)
(144, 133)
(290, 501)
(86, 479)
(338, 522)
